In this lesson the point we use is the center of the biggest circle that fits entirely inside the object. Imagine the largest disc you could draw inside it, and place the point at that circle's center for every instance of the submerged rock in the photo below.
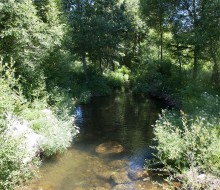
(137, 185)
(138, 174)
(106, 175)
(109, 148)
(78, 188)
(123, 187)
(121, 178)
(101, 188)
(118, 164)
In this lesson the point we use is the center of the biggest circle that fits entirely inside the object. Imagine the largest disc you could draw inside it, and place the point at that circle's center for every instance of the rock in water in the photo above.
(109, 148)
(138, 174)
(121, 178)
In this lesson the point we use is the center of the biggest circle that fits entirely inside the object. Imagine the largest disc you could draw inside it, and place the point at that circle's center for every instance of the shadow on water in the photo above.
(121, 119)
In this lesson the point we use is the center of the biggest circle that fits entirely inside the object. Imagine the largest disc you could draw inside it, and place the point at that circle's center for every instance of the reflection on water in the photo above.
(120, 118)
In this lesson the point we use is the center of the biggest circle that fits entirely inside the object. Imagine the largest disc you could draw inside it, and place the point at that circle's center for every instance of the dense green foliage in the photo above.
(29, 35)
(57, 131)
(56, 53)
(13, 170)
(187, 147)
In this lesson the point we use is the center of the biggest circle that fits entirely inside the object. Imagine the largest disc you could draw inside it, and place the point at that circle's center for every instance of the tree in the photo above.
(196, 27)
(111, 28)
(28, 39)
(211, 34)
(133, 42)
(79, 15)
(97, 29)
(155, 14)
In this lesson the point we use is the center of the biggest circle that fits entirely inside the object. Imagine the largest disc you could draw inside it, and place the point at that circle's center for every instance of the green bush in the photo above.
(124, 70)
(186, 144)
(118, 78)
(11, 98)
(57, 132)
(155, 78)
(84, 97)
(205, 104)
(99, 85)
(110, 80)
(13, 170)
(115, 79)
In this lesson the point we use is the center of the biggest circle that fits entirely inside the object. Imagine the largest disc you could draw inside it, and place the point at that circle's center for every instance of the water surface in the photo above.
(120, 118)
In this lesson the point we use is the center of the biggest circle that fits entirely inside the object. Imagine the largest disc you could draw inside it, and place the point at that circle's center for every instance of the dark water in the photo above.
(121, 118)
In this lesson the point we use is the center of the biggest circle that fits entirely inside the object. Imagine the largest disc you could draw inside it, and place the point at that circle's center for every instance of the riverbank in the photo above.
(28, 137)
(110, 148)
(28, 130)
(188, 143)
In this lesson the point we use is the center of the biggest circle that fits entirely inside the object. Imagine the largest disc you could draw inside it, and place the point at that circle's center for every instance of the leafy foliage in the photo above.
(185, 145)
(10, 94)
(13, 171)
(156, 46)
(57, 133)
(28, 40)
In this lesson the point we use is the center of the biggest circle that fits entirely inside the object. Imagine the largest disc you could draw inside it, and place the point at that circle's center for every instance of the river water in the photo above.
(122, 119)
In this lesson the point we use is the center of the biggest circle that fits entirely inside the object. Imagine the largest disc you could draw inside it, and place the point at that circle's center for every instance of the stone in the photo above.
(177, 185)
(100, 188)
(78, 188)
(118, 164)
(146, 179)
(107, 186)
(109, 148)
(138, 174)
(137, 185)
(44, 187)
(123, 187)
(121, 178)
(106, 175)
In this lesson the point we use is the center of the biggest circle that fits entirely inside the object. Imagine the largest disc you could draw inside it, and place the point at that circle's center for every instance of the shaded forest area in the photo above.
(55, 54)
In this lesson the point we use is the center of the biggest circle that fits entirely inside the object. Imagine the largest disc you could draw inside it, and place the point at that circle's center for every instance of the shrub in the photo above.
(204, 104)
(57, 132)
(60, 98)
(186, 145)
(84, 97)
(117, 79)
(13, 170)
(154, 79)
(11, 99)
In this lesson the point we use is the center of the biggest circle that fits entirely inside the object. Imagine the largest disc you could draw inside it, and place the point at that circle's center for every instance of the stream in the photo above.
(121, 120)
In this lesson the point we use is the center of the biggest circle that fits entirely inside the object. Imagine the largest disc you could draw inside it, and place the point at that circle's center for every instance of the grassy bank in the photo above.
(186, 136)
(28, 129)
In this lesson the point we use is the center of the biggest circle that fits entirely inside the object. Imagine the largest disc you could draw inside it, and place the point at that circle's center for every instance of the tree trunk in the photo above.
(161, 45)
(107, 59)
(215, 74)
(100, 62)
(179, 59)
(195, 63)
(85, 66)
(112, 63)
(215, 71)
(196, 48)
(161, 34)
